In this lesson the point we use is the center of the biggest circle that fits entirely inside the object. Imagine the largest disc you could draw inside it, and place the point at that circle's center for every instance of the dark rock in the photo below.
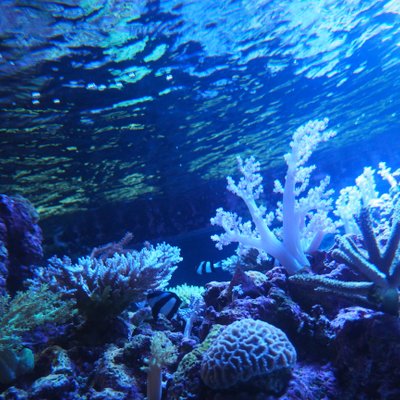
(367, 348)
(20, 241)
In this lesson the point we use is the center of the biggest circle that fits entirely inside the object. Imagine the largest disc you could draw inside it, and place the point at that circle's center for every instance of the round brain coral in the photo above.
(245, 350)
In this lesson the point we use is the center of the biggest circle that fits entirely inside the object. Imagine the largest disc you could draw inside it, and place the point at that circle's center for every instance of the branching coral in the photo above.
(365, 194)
(104, 288)
(380, 266)
(303, 213)
(109, 249)
(189, 294)
(359, 291)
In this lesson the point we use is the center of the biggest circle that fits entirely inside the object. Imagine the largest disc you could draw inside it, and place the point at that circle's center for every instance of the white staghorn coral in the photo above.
(364, 194)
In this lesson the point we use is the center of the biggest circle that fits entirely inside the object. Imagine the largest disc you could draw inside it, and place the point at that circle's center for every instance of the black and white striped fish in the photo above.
(163, 302)
(207, 267)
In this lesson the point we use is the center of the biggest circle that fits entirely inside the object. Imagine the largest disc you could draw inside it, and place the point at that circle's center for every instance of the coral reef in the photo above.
(254, 313)
(114, 375)
(367, 346)
(262, 335)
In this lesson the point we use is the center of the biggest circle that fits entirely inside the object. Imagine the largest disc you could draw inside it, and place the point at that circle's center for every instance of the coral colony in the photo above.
(294, 321)
(304, 214)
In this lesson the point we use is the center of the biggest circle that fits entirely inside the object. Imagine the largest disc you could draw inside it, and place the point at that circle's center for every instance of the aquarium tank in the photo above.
(199, 200)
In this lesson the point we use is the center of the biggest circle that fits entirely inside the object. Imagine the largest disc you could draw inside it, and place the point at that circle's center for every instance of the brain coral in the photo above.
(244, 350)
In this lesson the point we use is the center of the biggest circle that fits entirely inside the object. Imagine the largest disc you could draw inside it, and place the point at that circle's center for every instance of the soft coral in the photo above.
(303, 213)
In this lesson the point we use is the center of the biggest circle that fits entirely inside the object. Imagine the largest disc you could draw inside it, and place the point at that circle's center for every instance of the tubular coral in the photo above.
(304, 214)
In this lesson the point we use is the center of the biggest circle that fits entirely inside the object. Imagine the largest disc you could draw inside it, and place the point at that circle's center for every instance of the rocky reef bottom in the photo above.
(342, 350)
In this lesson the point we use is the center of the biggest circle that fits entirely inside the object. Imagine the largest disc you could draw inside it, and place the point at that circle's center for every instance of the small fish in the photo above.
(163, 302)
(207, 267)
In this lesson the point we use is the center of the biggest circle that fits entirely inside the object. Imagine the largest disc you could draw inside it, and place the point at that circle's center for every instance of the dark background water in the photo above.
(126, 116)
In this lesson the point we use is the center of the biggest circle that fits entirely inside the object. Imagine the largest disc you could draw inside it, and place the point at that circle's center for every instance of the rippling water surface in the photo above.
(109, 101)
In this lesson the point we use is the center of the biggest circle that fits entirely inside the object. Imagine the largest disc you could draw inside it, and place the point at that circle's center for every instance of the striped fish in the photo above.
(207, 267)
(163, 302)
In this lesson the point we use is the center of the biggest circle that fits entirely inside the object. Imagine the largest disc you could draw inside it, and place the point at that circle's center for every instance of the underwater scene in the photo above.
(199, 200)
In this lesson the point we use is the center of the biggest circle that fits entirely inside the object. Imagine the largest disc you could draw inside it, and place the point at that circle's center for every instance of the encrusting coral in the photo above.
(303, 213)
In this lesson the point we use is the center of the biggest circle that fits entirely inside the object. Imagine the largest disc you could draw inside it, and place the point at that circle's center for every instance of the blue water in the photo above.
(121, 115)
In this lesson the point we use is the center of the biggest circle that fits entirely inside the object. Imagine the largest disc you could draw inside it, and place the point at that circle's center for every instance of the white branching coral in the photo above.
(303, 213)
(364, 194)
(106, 287)
(391, 177)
